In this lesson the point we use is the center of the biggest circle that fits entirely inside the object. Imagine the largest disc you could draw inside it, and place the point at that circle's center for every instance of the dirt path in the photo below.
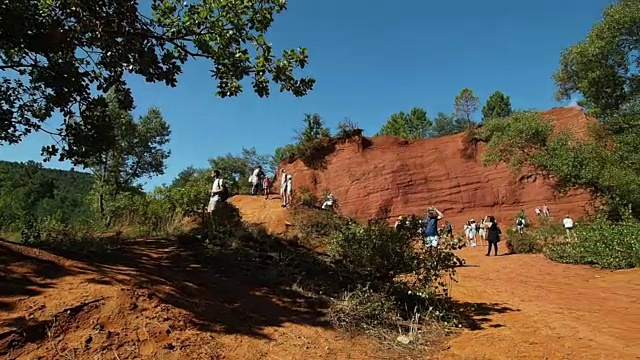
(268, 213)
(156, 299)
(547, 310)
(153, 299)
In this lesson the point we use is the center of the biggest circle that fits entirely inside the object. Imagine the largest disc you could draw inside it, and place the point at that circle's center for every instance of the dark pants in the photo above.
(255, 189)
(495, 245)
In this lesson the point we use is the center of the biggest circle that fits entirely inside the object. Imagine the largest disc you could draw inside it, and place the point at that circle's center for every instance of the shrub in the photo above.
(522, 243)
(376, 251)
(601, 244)
(363, 310)
(307, 198)
(536, 238)
(50, 233)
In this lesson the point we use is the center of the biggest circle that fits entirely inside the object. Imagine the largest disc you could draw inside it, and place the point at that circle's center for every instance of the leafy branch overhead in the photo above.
(58, 56)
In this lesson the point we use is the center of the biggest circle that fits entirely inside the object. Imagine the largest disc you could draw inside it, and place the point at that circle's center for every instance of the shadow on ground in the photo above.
(34, 275)
(476, 316)
(240, 285)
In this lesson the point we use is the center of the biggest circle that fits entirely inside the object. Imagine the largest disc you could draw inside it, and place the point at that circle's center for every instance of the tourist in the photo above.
(448, 229)
(328, 203)
(493, 234)
(283, 181)
(288, 191)
(520, 222)
(545, 210)
(266, 187)
(256, 180)
(567, 222)
(431, 238)
(219, 191)
(537, 210)
(482, 232)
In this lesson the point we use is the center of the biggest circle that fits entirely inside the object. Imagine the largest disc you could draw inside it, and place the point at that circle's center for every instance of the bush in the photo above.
(315, 227)
(526, 243)
(534, 239)
(601, 244)
(363, 310)
(307, 198)
(376, 251)
(50, 233)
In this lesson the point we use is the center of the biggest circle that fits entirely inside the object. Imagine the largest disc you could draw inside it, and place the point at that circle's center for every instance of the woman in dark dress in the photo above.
(493, 234)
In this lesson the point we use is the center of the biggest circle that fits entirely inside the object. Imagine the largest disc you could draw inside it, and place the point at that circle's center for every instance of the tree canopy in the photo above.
(466, 104)
(498, 105)
(30, 190)
(412, 125)
(604, 67)
(62, 56)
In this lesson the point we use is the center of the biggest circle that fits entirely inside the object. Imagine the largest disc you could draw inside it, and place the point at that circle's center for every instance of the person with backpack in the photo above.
(219, 191)
(256, 179)
(520, 225)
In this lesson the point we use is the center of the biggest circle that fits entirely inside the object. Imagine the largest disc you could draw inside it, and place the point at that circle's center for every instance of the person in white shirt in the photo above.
(217, 190)
(568, 226)
(283, 182)
(256, 180)
(328, 203)
(288, 191)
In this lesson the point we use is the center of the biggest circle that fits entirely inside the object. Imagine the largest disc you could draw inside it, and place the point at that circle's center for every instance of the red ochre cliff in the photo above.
(369, 174)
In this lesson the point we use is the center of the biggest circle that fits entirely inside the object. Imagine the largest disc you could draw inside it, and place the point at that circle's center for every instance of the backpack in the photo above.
(449, 228)
(224, 195)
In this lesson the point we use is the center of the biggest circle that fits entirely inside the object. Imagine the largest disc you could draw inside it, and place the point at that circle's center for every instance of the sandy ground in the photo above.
(152, 299)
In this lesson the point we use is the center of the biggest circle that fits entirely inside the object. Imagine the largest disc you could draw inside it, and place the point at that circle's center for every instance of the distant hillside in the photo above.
(29, 189)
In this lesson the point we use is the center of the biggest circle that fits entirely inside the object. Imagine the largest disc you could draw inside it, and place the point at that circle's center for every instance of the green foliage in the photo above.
(136, 152)
(535, 239)
(236, 169)
(413, 125)
(610, 173)
(498, 105)
(514, 139)
(314, 128)
(50, 233)
(465, 105)
(380, 253)
(603, 68)
(313, 142)
(444, 125)
(526, 243)
(284, 153)
(601, 244)
(54, 55)
(307, 198)
(29, 190)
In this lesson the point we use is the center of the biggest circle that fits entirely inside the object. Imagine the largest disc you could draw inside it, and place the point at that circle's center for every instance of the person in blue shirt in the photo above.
(431, 237)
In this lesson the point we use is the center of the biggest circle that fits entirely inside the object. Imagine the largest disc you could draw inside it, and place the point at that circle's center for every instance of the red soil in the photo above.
(369, 174)
(155, 299)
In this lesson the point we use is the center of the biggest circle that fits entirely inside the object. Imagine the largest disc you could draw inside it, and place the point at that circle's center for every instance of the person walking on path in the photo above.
(567, 222)
(256, 180)
(493, 234)
(431, 237)
(266, 187)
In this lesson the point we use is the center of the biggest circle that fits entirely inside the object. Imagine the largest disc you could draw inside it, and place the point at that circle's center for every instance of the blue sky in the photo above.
(369, 61)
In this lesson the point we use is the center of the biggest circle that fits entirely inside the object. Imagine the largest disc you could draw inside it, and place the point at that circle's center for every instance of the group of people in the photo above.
(488, 230)
(260, 184)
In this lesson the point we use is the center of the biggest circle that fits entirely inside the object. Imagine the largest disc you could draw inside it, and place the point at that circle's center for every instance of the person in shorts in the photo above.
(567, 222)
(431, 237)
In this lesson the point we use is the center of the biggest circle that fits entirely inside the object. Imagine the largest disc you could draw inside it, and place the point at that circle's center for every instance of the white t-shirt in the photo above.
(283, 179)
(568, 223)
(217, 186)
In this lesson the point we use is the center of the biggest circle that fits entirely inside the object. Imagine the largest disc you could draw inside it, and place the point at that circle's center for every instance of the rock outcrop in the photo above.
(367, 175)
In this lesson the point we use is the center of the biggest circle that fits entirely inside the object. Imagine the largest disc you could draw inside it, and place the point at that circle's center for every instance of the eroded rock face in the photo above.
(408, 176)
